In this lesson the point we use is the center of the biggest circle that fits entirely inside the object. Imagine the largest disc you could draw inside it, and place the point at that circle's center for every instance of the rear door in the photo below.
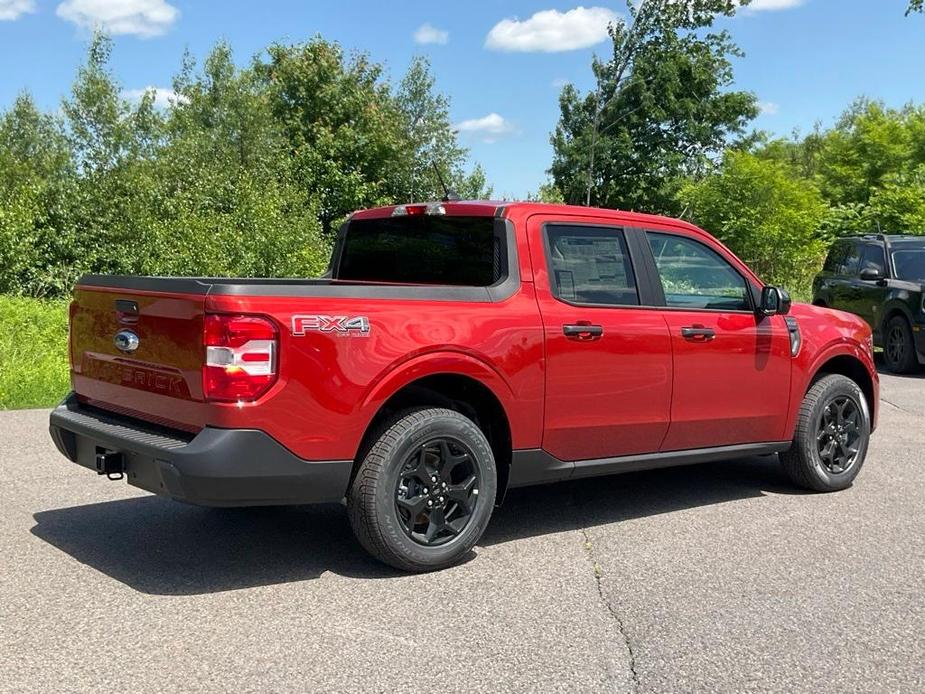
(608, 374)
(731, 368)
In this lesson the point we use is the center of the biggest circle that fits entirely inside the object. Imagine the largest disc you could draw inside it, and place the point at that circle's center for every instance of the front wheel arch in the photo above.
(850, 367)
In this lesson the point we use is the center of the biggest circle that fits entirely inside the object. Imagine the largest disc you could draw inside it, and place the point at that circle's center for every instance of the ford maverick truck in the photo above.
(453, 351)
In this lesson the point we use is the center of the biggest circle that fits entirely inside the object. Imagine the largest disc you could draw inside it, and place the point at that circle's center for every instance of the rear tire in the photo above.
(831, 438)
(424, 491)
(899, 347)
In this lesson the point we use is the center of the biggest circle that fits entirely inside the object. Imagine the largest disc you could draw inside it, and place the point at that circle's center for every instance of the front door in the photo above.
(608, 379)
(871, 294)
(731, 367)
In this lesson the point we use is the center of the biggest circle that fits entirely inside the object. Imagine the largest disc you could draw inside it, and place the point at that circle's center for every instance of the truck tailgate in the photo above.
(139, 352)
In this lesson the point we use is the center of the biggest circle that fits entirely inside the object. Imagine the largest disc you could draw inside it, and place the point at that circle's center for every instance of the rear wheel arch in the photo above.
(453, 391)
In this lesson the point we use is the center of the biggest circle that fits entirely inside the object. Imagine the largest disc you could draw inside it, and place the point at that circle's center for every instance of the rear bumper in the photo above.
(216, 467)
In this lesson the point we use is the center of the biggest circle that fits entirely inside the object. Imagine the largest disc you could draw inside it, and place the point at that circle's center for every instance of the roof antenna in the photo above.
(449, 195)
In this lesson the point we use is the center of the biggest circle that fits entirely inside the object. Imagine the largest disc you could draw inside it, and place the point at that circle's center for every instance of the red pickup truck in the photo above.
(455, 350)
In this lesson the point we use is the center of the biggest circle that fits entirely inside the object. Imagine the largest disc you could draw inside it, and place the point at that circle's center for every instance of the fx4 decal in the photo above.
(345, 326)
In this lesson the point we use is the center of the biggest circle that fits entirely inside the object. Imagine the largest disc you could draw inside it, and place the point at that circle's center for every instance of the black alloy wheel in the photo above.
(899, 353)
(437, 491)
(838, 436)
(896, 345)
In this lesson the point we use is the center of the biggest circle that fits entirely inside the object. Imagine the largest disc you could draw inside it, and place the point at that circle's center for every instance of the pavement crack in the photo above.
(611, 610)
(893, 404)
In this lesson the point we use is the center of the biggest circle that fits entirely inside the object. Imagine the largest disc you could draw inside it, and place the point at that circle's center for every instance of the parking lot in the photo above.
(718, 577)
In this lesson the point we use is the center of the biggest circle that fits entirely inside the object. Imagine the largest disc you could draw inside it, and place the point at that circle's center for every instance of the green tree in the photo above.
(765, 214)
(37, 180)
(344, 128)
(430, 141)
(661, 108)
(915, 6)
(228, 200)
(245, 173)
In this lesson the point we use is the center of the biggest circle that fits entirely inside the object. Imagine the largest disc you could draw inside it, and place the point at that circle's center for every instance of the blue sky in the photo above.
(501, 63)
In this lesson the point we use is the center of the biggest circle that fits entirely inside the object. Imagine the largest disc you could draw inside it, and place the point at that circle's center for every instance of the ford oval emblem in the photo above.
(126, 341)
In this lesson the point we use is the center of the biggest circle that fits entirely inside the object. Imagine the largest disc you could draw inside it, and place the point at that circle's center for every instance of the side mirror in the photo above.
(870, 274)
(775, 301)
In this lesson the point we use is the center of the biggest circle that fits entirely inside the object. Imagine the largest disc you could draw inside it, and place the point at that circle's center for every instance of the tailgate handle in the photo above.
(127, 311)
(126, 306)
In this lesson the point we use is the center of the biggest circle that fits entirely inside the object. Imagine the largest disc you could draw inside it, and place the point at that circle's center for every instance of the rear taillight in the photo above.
(241, 360)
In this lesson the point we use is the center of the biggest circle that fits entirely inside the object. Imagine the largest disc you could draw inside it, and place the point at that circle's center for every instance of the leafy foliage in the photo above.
(246, 173)
(661, 108)
(33, 352)
(768, 217)
(870, 168)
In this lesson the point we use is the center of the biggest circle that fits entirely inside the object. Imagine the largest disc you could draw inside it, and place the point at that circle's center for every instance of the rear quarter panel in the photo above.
(331, 385)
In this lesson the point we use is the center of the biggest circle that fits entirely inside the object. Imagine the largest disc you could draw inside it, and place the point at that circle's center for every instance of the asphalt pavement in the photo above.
(711, 578)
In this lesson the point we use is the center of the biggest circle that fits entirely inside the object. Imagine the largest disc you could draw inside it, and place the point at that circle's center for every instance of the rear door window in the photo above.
(590, 265)
(850, 264)
(836, 258)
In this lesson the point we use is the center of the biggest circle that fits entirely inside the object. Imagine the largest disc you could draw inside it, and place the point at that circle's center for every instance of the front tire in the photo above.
(425, 490)
(831, 438)
(899, 347)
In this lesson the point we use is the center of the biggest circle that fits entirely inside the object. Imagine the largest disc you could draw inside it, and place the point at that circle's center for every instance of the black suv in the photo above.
(881, 278)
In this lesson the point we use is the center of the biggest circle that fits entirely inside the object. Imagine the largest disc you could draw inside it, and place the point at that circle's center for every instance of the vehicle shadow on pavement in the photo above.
(594, 502)
(161, 547)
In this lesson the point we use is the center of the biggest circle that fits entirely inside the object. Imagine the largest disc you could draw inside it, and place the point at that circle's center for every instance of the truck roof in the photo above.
(505, 208)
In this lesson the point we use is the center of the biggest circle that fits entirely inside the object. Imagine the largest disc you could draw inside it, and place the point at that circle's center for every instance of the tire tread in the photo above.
(362, 512)
(797, 460)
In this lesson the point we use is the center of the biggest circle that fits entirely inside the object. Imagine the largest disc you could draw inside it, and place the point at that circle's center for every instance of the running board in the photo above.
(536, 466)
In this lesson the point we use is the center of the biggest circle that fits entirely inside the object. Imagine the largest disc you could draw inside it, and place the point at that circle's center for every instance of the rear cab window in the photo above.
(423, 249)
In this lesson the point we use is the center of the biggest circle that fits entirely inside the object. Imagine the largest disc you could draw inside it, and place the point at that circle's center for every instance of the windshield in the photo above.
(910, 264)
(425, 249)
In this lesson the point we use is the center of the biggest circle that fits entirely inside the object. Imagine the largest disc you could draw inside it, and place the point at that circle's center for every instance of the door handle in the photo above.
(698, 333)
(584, 331)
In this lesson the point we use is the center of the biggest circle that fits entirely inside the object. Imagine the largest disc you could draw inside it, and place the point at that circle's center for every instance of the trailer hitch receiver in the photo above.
(110, 463)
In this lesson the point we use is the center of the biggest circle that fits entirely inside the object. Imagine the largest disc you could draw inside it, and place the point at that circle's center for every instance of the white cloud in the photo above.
(428, 33)
(551, 31)
(143, 18)
(488, 128)
(768, 108)
(772, 5)
(163, 96)
(14, 9)
(559, 82)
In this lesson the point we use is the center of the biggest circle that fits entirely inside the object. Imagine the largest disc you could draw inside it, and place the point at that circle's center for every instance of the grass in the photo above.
(33, 352)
